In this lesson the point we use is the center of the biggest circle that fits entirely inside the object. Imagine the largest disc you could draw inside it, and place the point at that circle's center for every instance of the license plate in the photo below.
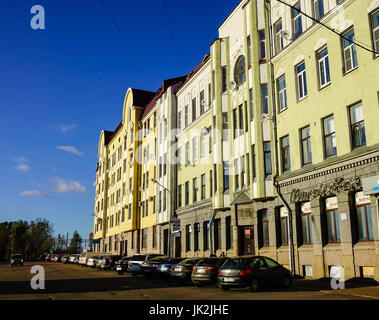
(177, 269)
(164, 268)
(201, 270)
(119, 268)
(229, 279)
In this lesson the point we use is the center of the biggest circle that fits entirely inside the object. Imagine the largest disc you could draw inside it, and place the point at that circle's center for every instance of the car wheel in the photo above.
(287, 281)
(254, 285)
(224, 288)
(197, 284)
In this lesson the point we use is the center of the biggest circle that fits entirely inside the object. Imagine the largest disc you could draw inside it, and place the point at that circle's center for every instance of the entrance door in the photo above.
(248, 241)
(165, 239)
(178, 246)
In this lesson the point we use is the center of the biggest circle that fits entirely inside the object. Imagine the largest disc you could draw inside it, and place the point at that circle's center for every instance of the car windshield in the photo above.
(209, 262)
(174, 260)
(141, 257)
(189, 261)
(17, 256)
(238, 262)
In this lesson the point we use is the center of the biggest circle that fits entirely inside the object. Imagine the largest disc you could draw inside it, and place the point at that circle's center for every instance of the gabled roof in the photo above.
(194, 71)
(141, 97)
(242, 198)
(176, 82)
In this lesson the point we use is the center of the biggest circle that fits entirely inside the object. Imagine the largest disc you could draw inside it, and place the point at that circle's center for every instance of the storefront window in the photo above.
(364, 220)
(332, 220)
(306, 222)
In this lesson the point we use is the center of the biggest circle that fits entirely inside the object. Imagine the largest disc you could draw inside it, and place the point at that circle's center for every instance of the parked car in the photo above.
(165, 269)
(49, 257)
(205, 271)
(91, 262)
(183, 270)
(42, 257)
(64, 259)
(57, 258)
(121, 265)
(17, 260)
(108, 262)
(84, 256)
(135, 262)
(74, 258)
(253, 272)
(149, 267)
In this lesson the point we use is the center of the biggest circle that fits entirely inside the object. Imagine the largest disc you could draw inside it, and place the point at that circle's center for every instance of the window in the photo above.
(306, 222)
(301, 77)
(240, 114)
(224, 79)
(235, 126)
(357, 126)
(285, 153)
(155, 236)
(236, 174)
(194, 149)
(196, 236)
(283, 226)
(194, 190)
(180, 120)
(186, 154)
(267, 158)
(318, 9)
(202, 186)
(144, 237)
(226, 175)
(206, 235)
(306, 150)
(160, 201)
(164, 164)
(188, 237)
(264, 231)
(179, 195)
(228, 233)
(186, 116)
(202, 102)
(330, 143)
(248, 40)
(164, 200)
(279, 42)
(282, 93)
(239, 71)
(194, 109)
(323, 67)
(251, 104)
(217, 233)
(129, 211)
(262, 45)
(364, 220)
(187, 193)
(202, 145)
(246, 117)
(297, 24)
(332, 220)
(243, 172)
(254, 173)
(210, 184)
(349, 51)
(375, 30)
(264, 93)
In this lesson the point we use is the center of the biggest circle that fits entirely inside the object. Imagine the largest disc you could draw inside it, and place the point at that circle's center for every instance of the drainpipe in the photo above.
(275, 138)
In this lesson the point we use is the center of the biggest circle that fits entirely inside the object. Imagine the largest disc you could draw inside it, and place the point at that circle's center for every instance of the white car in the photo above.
(84, 256)
(91, 262)
(74, 258)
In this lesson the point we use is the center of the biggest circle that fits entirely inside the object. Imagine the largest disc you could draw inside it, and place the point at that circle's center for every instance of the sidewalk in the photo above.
(355, 287)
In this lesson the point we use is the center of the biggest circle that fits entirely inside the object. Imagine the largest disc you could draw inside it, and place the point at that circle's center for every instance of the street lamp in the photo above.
(169, 220)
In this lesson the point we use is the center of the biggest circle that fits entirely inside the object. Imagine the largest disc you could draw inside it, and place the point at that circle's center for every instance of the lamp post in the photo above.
(170, 216)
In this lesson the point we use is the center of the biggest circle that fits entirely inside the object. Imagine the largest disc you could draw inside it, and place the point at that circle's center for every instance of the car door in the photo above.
(260, 270)
(274, 271)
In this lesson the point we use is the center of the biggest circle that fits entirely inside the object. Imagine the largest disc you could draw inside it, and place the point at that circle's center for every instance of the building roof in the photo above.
(142, 97)
(176, 82)
(194, 71)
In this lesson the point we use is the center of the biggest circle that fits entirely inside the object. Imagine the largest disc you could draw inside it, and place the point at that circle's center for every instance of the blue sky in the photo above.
(61, 86)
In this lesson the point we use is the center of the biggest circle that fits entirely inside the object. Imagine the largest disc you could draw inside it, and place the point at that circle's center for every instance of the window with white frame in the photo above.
(186, 153)
(297, 23)
(301, 76)
(375, 30)
(202, 145)
(262, 45)
(282, 93)
(330, 143)
(279, 41)
(323, 67)
(349, 51)
(194, 149)
(264, 94)
(357, 126)
(318, 9)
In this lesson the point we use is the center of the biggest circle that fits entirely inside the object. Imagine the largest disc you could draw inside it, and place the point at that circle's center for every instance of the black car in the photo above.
(205, 271)
(149, 267)
(108, 262)
(121, 265)
(253, 272)
(183, 270)
(165, 269)
(17, 259)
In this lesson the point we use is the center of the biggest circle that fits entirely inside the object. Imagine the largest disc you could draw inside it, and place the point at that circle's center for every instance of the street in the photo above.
(74, 282)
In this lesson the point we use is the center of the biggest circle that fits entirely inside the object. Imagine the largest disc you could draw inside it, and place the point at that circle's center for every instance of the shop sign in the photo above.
(326, 190)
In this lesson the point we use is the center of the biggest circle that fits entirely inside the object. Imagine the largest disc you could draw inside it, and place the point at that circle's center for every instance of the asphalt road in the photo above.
(74, 282)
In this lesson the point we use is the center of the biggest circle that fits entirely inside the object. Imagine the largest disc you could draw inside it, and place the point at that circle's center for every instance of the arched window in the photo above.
(239, 71)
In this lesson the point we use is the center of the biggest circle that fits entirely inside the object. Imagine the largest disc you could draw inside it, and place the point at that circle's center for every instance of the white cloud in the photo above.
(33, 193)
(21, 164)
(63, 186)
(65, 128)
(70, 149)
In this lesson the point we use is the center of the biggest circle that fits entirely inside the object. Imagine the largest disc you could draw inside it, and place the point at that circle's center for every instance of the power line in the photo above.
(172, 34)
(124, 39)
(326, 26)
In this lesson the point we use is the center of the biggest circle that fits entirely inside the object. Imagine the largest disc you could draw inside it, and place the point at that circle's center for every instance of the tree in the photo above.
(75, 244)
(40, 238)
(18, 236)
